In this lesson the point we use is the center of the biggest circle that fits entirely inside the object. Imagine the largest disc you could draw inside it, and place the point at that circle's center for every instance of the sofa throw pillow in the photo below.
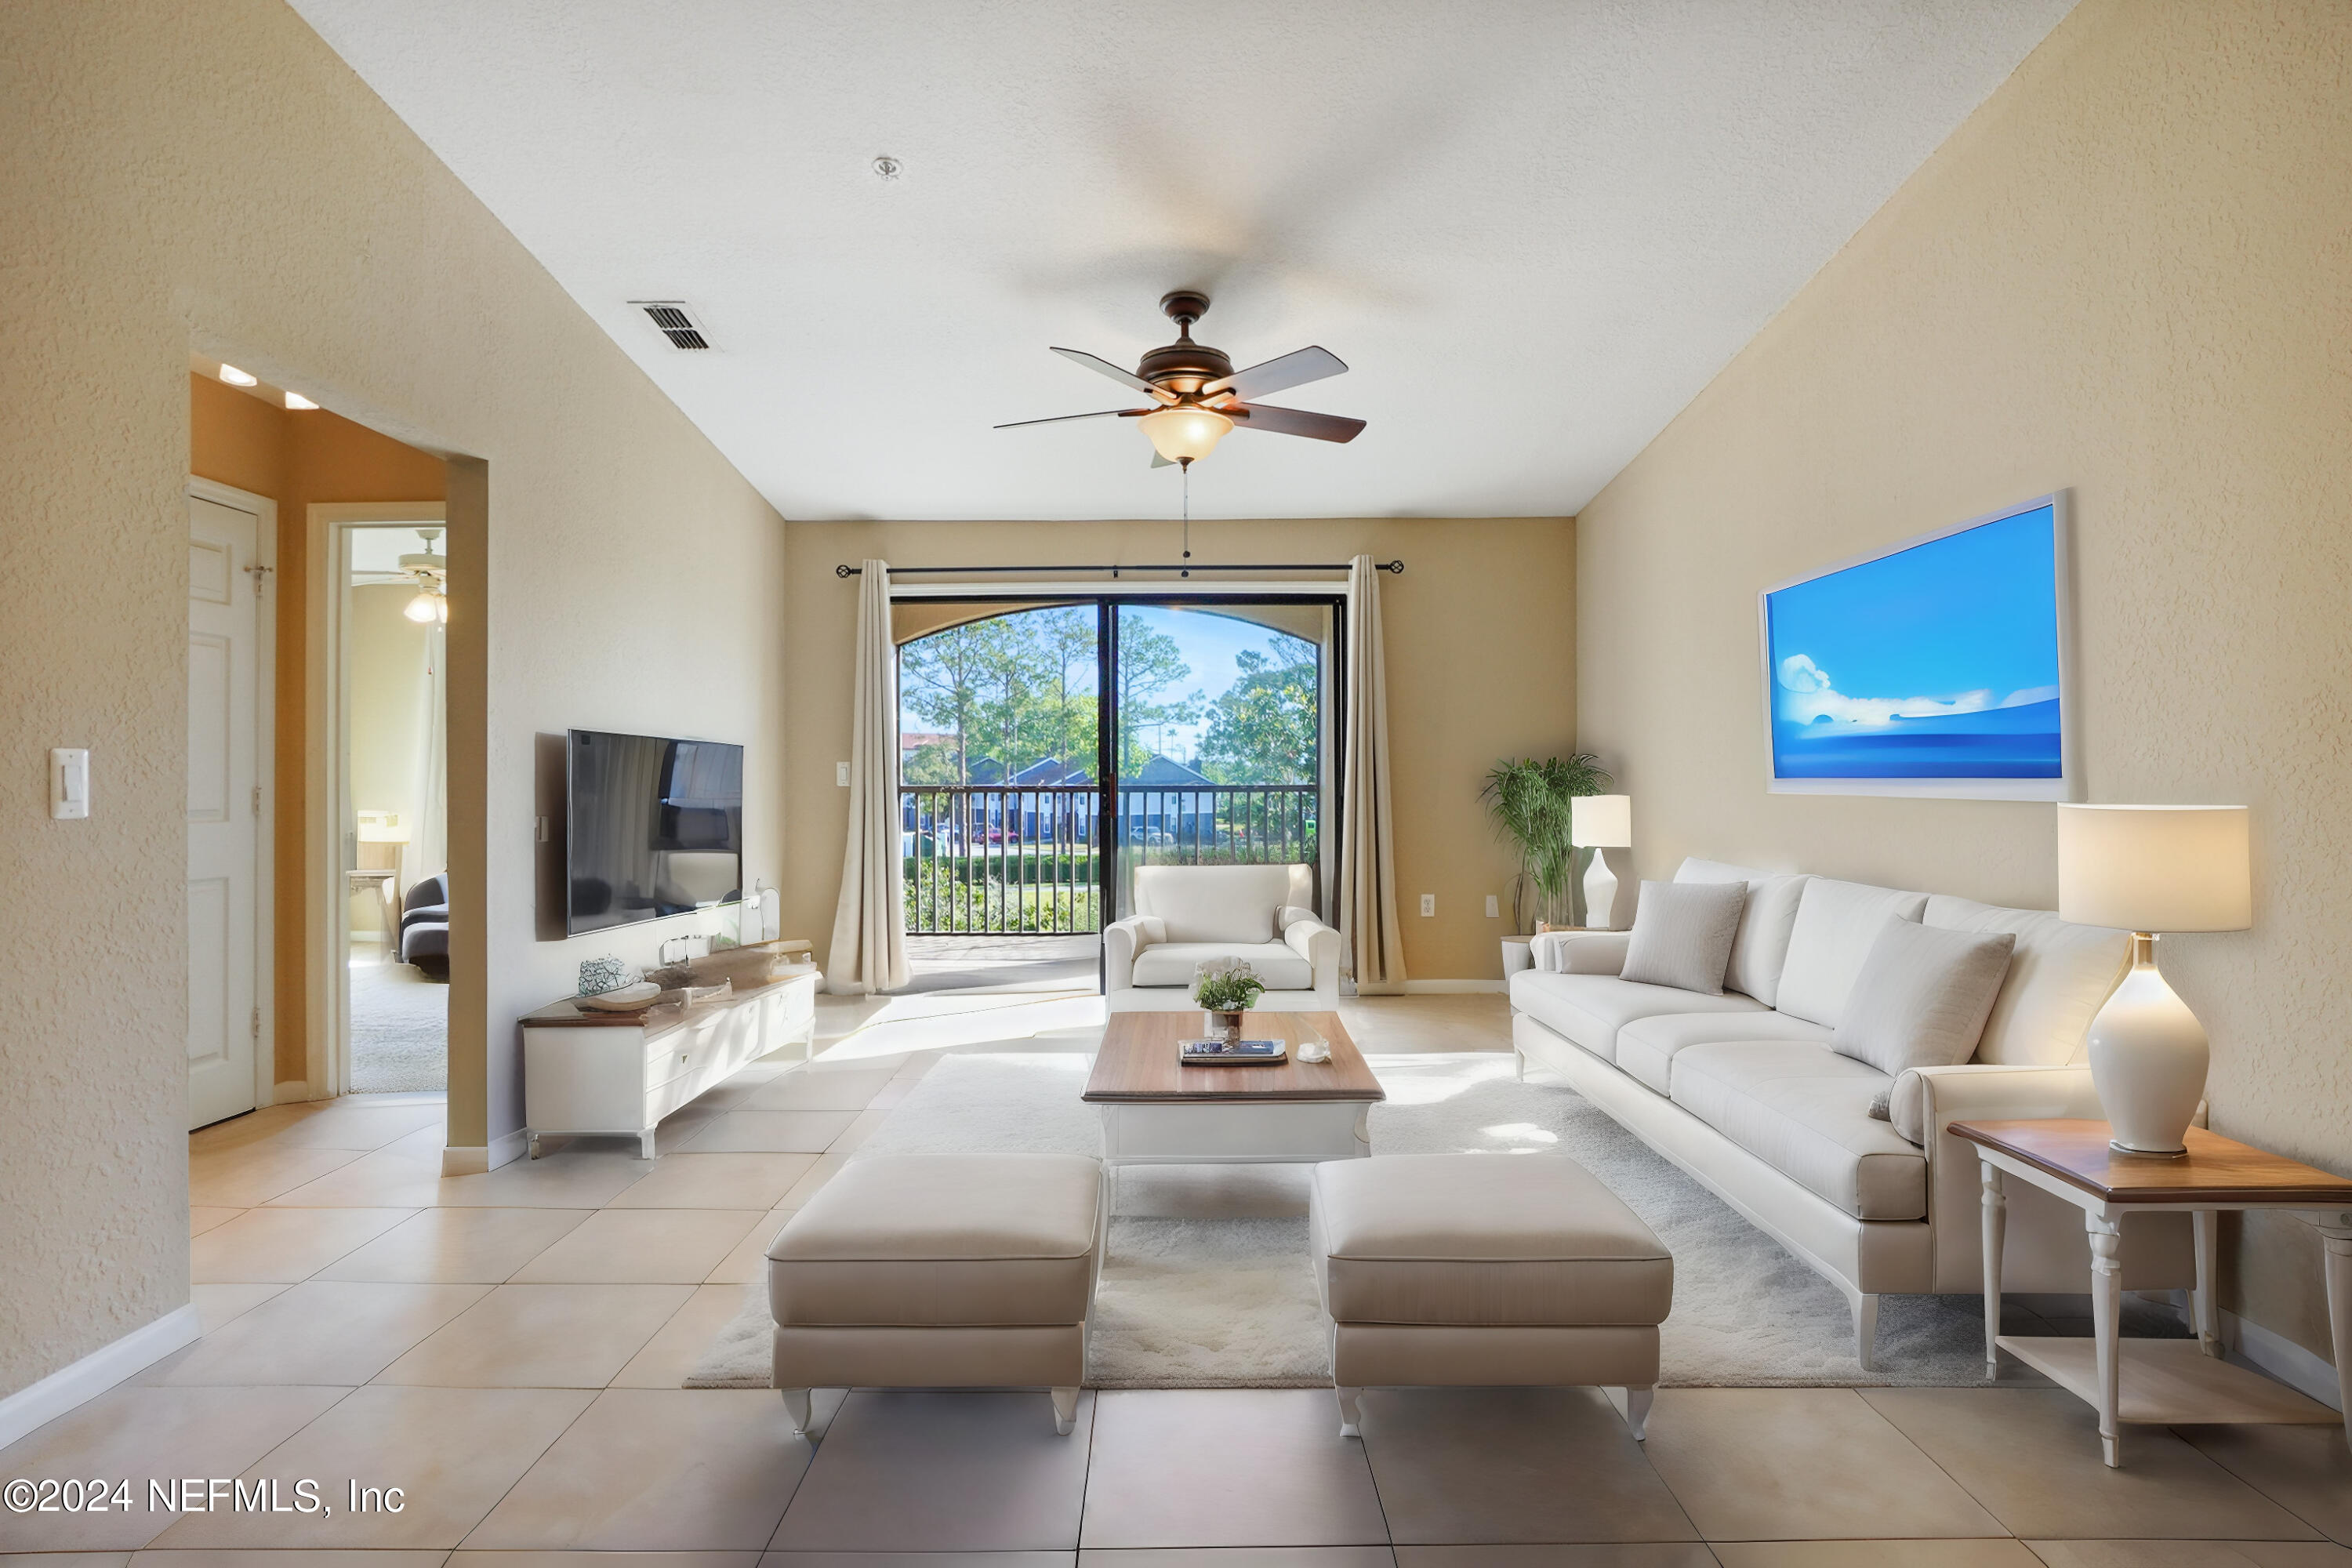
(1922, 996)
(1837, 922)
(1761, 946)
(1681, 934)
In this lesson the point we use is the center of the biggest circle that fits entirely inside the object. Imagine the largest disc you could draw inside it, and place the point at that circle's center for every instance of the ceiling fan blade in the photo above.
(1102, 366)
(1280, 374)
(1160, 462)
(1059, 419)
(1296, 422)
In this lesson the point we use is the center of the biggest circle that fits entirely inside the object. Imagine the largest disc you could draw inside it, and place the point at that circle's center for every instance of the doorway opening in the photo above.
(392, 797)
(1047, 749)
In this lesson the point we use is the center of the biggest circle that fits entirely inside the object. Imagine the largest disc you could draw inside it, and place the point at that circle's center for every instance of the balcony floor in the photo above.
(1003, 962)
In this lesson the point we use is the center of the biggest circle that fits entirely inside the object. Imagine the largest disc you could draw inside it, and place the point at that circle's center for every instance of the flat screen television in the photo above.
(1937, 666)
(654, 827)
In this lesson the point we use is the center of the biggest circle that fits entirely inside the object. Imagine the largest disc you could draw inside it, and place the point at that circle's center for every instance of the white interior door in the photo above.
(223, 810)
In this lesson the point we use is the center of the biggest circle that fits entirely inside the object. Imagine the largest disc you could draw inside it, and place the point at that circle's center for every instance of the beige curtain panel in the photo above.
(1372, 942)
(869, 927)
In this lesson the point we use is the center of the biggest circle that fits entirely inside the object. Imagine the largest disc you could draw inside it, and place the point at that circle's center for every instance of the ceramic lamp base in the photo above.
(2149, 1056)
(1601, 889)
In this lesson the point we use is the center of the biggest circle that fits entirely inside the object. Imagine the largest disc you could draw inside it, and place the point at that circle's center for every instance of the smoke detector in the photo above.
(675, 321)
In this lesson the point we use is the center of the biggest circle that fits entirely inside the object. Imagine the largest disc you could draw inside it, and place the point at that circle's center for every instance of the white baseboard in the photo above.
(1451, 987)
(2299, 1369)
(94, 1374)
(472, 1160)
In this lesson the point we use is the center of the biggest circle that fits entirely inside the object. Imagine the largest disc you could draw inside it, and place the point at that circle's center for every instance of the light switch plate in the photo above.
(1493, 908)
(69, 782)
(1429, 903)
(841, 775)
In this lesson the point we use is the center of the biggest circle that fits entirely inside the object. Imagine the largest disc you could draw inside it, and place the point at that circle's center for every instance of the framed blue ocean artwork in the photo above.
(1937, 666)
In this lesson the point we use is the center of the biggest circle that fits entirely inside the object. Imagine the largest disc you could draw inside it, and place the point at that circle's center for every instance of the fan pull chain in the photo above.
(1187, 471)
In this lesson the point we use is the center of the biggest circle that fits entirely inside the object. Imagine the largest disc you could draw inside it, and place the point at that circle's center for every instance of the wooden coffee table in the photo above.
(1158, 1112)
(2164, 1382)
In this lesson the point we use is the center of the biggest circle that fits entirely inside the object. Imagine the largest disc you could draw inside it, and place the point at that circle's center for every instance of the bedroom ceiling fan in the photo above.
(1198, 396)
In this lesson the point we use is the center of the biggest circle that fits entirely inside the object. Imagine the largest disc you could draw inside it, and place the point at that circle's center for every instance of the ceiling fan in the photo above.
(1197, 395)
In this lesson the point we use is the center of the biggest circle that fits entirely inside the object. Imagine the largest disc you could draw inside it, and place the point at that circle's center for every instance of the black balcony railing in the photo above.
(999, 859)
(1002, 859)
(1218, 825)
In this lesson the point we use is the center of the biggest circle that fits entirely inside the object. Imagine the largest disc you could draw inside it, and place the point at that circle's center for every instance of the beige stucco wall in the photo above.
(1479, 634)
(2126, 274)
(209, 177)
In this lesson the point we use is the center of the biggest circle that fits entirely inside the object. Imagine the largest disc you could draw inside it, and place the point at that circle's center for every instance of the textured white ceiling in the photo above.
(1534, 230)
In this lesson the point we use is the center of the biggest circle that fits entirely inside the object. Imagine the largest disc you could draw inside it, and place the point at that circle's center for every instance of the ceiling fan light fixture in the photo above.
(1185, 433)
(423, 609)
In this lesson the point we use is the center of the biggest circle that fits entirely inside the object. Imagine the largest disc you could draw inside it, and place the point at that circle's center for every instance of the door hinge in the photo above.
(256, 1022)
(256, 800)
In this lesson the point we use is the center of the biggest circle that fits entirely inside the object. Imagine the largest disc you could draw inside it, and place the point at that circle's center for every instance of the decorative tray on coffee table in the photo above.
(1232, 1054)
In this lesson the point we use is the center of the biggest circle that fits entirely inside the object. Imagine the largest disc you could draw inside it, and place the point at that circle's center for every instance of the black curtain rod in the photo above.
(1185, 567)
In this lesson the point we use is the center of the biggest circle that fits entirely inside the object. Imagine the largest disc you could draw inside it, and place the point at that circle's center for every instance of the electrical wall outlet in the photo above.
(1429, 903)
(841, 775)
(1493, 908)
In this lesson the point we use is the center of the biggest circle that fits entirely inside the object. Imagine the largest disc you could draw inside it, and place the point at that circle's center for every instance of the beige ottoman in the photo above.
(1451, 1270)
(941, 1271)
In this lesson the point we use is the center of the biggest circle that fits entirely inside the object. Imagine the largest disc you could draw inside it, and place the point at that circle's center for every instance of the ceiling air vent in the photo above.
(676, 321)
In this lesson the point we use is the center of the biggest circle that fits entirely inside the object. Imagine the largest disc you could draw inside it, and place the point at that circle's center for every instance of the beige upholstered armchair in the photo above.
(1189, 915)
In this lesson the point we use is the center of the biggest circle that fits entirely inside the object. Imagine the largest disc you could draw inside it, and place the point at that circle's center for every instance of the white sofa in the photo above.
(1743, 1091)
(1186, 916)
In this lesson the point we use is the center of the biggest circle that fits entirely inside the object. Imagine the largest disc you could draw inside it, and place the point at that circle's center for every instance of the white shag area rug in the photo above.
(1207, 1283)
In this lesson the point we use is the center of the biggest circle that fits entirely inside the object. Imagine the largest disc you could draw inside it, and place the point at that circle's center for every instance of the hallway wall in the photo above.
(207, 178)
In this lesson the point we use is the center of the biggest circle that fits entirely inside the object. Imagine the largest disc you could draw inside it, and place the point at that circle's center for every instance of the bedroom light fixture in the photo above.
(236, 377)
(431, 570)
(296, 400)
(1185, 434)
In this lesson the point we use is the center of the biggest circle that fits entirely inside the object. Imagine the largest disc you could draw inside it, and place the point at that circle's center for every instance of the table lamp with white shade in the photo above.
(2149, 869)
(1601, 823)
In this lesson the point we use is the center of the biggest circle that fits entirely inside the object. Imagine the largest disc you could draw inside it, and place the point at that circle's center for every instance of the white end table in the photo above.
(2158, 1382)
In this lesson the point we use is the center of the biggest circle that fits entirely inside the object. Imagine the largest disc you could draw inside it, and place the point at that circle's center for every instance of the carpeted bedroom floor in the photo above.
(400, 1029)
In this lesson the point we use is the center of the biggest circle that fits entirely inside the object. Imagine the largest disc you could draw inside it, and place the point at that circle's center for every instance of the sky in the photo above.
(1208, 642)
(1963, 623)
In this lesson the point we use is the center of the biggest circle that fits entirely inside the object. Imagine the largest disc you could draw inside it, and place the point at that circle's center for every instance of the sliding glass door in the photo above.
(1223, 711)
(999, 727)
(1048, 749)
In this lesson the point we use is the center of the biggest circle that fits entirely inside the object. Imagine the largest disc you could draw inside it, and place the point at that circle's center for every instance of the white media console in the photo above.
(590, 1072)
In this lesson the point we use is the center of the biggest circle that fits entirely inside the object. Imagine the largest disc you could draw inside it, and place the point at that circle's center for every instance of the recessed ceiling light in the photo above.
(236, 377)
(296, 400)
(888, 168)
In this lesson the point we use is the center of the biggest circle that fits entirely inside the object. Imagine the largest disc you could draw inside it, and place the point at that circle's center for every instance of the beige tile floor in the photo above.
(506, 1349)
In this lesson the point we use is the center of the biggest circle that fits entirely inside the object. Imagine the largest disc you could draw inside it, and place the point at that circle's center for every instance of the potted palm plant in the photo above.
(1529, 803)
